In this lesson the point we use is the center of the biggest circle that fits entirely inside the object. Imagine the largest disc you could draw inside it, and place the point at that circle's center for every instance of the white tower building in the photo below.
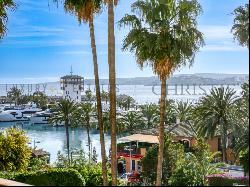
(72, 86)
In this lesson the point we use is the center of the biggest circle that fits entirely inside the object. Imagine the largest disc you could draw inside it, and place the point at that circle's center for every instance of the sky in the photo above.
(43, 42)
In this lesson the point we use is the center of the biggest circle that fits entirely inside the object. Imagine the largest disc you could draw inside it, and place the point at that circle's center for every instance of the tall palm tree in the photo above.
(149, 112)
(85, 11)
(112, 84)
(212, 115)
(240, 27)
(4, 6)
(240, 119)
(83, 116)
(65, 113)
(164, 35)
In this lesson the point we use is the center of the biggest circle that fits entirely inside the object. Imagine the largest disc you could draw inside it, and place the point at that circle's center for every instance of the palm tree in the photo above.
(40, 99)
(240, 119)
(105, 96)
(83, 116)
(149, 112)
(164, 35)
(4, 6)
(240, 27)
(65, 113)
(85, 11)
(15, 95)
(129, 102)
(183, 111)
(212, 115)
(169, 116)
(131, 121)
(112, 84)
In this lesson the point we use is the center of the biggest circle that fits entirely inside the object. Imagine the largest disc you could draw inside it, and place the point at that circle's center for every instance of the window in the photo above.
(133, 165)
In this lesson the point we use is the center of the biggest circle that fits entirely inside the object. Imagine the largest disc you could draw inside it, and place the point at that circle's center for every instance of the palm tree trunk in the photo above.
(112, 94)
(161, 132)
(88, 140)
(67, 138)
(99, 103)
(224, 144)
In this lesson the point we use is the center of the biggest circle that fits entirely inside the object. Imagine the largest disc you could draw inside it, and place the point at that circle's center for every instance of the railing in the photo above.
(4, 182)
(134, 151)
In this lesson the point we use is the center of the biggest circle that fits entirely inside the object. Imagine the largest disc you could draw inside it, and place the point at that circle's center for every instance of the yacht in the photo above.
(41, 117)
(18, 113)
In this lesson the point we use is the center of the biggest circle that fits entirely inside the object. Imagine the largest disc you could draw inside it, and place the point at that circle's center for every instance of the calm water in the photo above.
(53, 139)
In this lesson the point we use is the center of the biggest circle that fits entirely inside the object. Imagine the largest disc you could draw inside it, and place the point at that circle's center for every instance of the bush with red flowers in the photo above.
(226, 180)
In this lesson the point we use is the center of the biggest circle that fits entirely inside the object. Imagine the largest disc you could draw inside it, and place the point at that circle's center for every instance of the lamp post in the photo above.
(90, 155)
(130, 154)
(34, 143)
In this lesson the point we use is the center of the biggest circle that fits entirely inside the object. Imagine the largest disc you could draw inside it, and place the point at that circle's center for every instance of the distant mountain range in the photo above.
(206, 78)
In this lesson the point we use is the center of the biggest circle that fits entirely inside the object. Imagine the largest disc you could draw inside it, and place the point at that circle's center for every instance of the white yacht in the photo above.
(41, 117)
(18, 113)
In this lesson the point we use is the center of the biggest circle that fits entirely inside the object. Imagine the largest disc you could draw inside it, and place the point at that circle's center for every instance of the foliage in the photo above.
(52, 177)
(149, 112)
(105, 96)
(172, 153)
(225, 180)
(183, 110)
(193, 170)
(240, 119)
(240, 27)
(170, 115)
(65, 114)
(5, 5)
(131, 121)
(244, 160)
(125, 101)
(14, 149)
(15, 95)
(91, 172)
(40, 99)
(155, 25)
(38, 164)
(213, 113)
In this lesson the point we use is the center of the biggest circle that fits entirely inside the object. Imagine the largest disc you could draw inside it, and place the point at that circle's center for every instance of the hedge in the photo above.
(53, 177)
(226, 180)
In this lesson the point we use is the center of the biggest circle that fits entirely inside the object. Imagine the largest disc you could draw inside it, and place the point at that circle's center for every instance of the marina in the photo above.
(52, 139)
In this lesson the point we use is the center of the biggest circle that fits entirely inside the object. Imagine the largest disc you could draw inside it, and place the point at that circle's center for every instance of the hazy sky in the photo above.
(43, 42)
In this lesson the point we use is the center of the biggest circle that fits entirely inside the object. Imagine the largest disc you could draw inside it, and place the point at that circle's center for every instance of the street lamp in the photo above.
(34, 143)
(129, 148)
(90, 154)
(73, 151)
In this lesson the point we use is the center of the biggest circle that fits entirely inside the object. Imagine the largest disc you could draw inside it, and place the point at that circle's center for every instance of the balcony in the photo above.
(126, 149)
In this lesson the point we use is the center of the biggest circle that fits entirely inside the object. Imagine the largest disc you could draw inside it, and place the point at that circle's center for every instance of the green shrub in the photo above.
(193, 169)
(92, 174)
(224, 180)
(172, 153)
(53, 177)
(14, 150)
(244, 160)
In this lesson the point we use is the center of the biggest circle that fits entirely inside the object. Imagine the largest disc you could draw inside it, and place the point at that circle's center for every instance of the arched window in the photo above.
(186, 143)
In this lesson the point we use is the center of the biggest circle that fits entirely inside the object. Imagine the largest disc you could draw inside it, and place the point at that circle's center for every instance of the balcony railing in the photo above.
(4, 182)
(133, 151)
